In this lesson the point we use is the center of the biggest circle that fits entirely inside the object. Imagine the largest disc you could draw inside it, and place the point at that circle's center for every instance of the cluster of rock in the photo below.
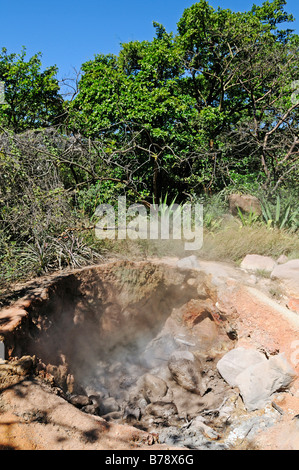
(166, 399)
(186, 401)
(283, 270)
(256, 377)
(190, 405)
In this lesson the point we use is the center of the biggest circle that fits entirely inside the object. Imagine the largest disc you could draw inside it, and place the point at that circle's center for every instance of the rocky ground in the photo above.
(220, 373)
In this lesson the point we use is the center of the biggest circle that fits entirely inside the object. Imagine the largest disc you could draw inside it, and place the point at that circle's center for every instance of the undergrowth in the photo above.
(225, 238)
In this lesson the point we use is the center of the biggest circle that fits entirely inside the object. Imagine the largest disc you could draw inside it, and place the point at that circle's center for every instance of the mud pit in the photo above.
(134, 347)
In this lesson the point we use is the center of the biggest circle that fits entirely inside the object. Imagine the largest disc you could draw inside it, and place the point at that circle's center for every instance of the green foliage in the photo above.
(138, 96)
(164, 206)
(205, 108)
(280, 213)
(88, 199)
(193, 115)
(248, 219)
(215, 209)
(67, 250)
(31, 95)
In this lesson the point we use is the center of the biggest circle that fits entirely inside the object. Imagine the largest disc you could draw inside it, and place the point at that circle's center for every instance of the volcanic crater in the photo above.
(133, 347)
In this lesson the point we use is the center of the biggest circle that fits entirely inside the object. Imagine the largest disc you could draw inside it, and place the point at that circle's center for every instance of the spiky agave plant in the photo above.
(169, 215)
(280, 215)
(248, 219)
(72, 251)
(38, 254)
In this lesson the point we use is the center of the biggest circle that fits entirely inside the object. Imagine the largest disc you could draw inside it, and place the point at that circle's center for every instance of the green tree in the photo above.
(136, 98)
(240, 68)
(198, 110)
(31, 94)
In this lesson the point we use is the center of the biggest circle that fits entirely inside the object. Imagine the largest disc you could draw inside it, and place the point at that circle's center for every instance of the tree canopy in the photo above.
(194, 111)
(204, 108)
(31, 95)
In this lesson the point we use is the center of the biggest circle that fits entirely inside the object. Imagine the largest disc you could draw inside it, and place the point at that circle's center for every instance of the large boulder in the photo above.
(245, 202)
(258, 382)
(236, 361)
(256, 376)
(258, 263)
(288, 275)
(185, 369)
(108, 405)
(153, 388)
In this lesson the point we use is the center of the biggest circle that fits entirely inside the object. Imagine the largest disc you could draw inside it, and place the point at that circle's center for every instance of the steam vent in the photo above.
(158, 354)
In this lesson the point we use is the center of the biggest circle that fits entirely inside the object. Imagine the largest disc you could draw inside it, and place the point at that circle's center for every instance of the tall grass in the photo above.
(233, 242)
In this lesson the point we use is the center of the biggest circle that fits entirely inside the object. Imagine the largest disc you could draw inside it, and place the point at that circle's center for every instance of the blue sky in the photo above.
(70, 32)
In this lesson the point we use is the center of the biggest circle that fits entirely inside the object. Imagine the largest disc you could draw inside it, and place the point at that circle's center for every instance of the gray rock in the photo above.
(158, 351)
(258, 382)
(199, 424)
(258, 263)
(190, 437)
(2, 351)
(108, 405)
(249, 429)
(95, 399)
(114, 415)
(91, 409)
(236, 361)
(135, 406)
(153, 388)
(80, 400)
(132, 411)
(97, 390)
(186, 370)
(288, 274)
(162, 410)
